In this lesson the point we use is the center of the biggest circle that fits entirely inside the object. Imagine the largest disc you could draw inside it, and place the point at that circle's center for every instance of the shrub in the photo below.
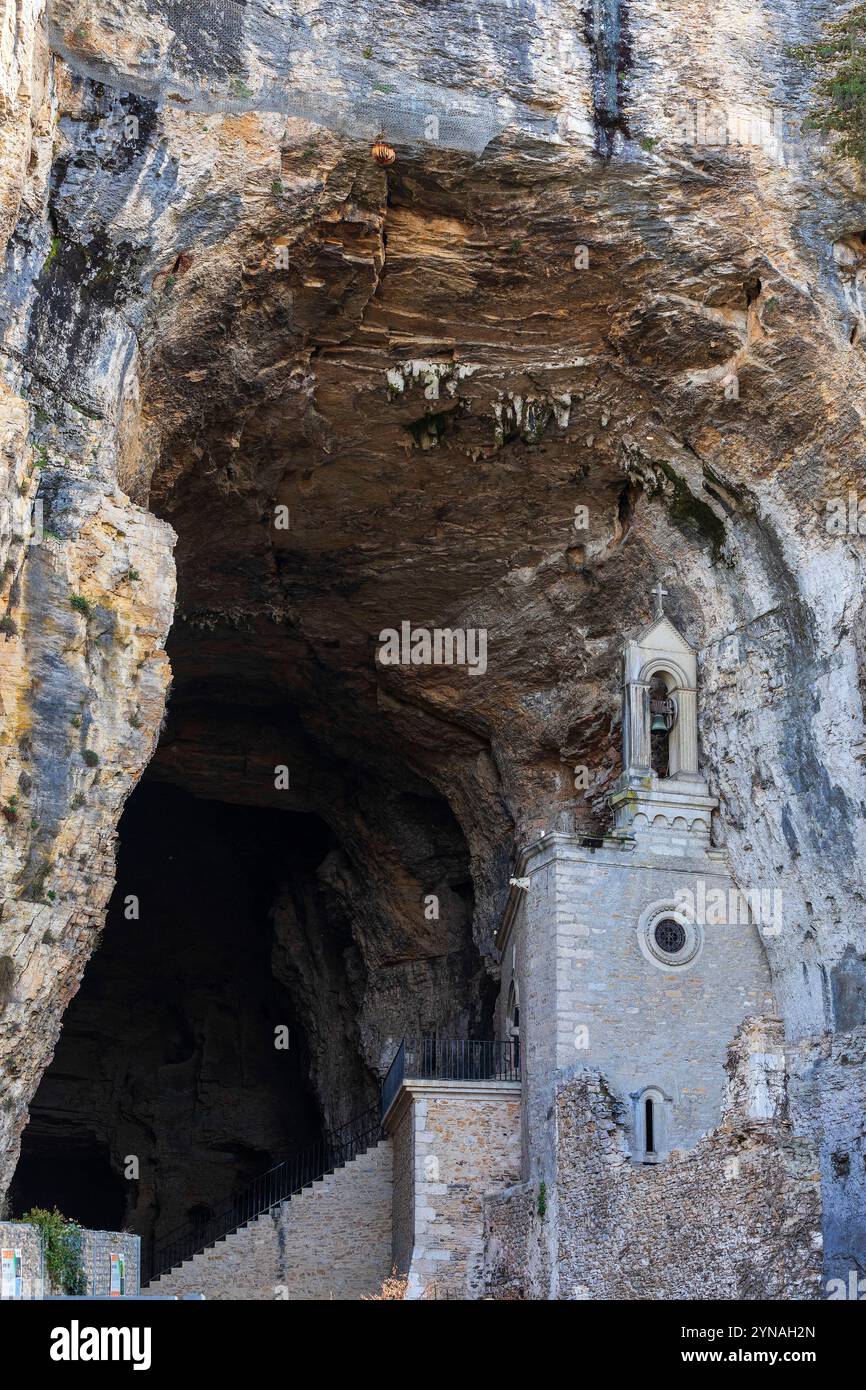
(393, 1288)
(8, 626)
(7, 976)
(542, 1199)
(90, 757)
(82, 605)
(61, 1245)
(10, 809)
(52, 253)
(839, 57)
(36, 888)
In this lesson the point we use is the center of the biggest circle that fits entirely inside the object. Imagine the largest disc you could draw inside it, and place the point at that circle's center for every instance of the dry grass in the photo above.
(394, 1287)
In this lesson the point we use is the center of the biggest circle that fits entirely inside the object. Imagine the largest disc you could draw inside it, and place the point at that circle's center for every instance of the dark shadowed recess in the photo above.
(167, 1054)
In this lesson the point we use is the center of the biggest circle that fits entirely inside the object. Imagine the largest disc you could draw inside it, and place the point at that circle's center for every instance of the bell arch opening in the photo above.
(660, 725)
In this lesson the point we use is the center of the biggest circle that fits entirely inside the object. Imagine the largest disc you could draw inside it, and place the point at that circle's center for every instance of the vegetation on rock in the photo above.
(7, 976)
(840, 58)
(61, 1246)
(81, 605)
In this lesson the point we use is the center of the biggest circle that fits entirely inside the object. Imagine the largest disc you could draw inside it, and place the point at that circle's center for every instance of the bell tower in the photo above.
(661, 801)
(631, 991)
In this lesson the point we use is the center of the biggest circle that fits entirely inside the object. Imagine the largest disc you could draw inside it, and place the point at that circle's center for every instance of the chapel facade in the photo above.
(603, 957)
(647, 1029)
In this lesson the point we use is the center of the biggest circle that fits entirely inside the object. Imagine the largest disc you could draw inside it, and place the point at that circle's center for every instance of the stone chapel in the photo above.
(609, 970)
(626, 1134)
(652, 1062)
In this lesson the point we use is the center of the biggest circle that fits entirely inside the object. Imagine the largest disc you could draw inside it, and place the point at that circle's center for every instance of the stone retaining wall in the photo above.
(461, 1140)
(332, 1241)
(97, 1247)
(737, 1216)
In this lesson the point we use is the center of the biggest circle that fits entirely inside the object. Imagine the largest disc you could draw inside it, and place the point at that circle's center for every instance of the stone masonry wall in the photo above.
(332, 1241)
(587, 988)
(97, 1247)
(96, 1250)
(530, 955)
(466, 1144)
(510, 1237)
(19, 1235)
(403, 1217)
(648, 1026)
(736, 1217)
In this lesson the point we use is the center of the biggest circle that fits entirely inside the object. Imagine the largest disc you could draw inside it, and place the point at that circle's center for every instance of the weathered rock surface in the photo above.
(218, 312)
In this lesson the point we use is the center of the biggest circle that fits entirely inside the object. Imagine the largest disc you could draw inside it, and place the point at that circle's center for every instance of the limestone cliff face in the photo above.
(87, 595)
(573, 298)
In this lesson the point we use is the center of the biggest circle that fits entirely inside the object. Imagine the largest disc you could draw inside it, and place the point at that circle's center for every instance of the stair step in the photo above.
(324, 1183)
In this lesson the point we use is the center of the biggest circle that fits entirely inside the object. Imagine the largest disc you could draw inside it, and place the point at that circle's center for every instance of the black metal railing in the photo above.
(450, 1059)
(277, 1185)
(418, 1059)
(394, 1080)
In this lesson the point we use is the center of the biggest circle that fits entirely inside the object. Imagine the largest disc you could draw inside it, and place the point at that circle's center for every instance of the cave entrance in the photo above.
(85, 1183)
(167, 1092)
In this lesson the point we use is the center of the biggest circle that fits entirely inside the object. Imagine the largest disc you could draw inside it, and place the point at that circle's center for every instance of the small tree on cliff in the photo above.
(840, 58)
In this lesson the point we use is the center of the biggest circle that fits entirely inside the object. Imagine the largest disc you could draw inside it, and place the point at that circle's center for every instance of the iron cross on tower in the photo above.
(660, 594)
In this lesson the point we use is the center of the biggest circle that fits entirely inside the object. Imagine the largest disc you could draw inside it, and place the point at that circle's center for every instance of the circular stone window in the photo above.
(667, 937)
(670, 936)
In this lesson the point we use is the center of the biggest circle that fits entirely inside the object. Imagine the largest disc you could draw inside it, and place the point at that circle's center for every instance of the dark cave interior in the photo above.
(168, 1051)
(237, 914)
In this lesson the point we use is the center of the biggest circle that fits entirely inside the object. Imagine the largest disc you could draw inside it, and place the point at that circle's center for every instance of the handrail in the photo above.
(457, 1059)
(420, 1059)
(277, 1185)
(450, 1059)
(394, 1080)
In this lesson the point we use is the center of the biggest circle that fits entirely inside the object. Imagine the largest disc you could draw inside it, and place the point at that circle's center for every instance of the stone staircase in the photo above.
(330, 1241)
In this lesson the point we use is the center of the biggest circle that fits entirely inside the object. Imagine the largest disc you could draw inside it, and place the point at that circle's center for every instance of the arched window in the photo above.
(649, 1126)
(652, 1109)
(512, 1018)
